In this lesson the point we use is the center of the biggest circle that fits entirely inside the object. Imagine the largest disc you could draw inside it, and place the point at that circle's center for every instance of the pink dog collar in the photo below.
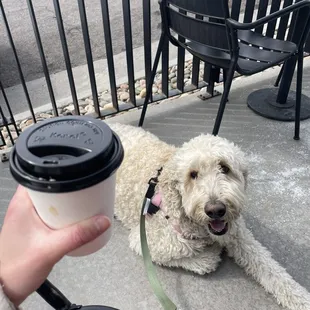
(157, 201)
(153, 203)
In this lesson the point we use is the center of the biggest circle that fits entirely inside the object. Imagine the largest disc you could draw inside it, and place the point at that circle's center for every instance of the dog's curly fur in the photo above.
(184, 197)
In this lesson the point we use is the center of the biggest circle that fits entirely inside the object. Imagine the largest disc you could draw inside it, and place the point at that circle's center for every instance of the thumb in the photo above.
(73, 237)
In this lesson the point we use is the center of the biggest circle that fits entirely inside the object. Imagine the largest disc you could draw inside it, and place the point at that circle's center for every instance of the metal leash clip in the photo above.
(150, 208)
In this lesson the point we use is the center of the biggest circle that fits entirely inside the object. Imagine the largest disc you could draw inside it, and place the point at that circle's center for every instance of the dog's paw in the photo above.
(203, 267)
(196, 266)
(203, 263)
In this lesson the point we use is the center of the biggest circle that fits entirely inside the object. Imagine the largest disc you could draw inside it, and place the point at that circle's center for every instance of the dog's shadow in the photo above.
(290, 255)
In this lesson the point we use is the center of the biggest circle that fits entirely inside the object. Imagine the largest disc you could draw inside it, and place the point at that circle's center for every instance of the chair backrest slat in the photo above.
(205, 32)
(201, 21)
(205, 7)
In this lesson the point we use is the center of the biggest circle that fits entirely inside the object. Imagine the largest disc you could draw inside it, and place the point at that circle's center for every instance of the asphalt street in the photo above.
(22, 31)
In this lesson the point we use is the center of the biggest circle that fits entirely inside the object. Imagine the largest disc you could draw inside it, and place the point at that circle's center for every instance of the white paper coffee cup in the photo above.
(68, 166)
(64, 209)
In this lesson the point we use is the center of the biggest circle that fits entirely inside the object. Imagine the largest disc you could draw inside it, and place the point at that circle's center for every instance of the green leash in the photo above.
(150, 269)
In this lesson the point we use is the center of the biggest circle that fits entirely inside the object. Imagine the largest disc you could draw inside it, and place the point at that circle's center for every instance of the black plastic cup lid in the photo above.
(65, 154)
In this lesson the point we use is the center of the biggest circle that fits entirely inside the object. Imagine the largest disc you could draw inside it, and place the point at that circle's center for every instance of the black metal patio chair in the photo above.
(212, 36)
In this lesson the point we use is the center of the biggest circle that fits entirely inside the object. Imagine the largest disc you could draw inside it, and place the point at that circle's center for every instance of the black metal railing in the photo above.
(208, 77)
(7, 120)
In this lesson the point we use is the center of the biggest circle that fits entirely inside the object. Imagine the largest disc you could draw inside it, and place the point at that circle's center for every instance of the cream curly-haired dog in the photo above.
(201, 193)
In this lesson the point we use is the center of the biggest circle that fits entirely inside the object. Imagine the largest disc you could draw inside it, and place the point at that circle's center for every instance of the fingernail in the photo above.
(102, 223)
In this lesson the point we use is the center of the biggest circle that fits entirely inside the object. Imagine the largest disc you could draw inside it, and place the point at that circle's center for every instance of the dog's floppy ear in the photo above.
(169, 186)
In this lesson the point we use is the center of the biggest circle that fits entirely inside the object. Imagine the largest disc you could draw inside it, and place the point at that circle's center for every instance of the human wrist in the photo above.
(10, 288)
(5, 301)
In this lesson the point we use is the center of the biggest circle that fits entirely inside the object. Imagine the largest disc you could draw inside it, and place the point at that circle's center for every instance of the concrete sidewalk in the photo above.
(277, 212)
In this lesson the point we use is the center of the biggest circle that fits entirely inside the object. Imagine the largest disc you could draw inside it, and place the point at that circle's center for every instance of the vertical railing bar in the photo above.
(181, 66)
(129, 50)
(65, 50)
(42, 56)
(307, 45)
(292, 26)
(298, 24)
(89, 56)
(207, 73)
(181, 61)
(272, 25)
(249, 10)
(147, 41)
(214, 77)
(2, 138)
(109, 51)
(291, 21)
(195, 71)
(165, 68)
(262, 10)
(20, 72)
(235, 9)
(283, 22)
(6, 126)
(9, 108)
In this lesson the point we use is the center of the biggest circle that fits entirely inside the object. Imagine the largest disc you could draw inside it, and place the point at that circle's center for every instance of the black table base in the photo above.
(263, 102)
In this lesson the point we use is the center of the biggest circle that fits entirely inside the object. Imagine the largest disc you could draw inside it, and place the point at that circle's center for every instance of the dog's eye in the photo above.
(194, 174)
(225, 169)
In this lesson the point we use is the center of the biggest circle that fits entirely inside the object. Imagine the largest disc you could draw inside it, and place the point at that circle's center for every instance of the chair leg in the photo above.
(276, 84)
(298, 94)
(230, 76)
(151, 81)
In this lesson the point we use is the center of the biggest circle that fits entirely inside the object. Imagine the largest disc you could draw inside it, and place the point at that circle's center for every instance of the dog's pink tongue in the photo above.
(217, 225)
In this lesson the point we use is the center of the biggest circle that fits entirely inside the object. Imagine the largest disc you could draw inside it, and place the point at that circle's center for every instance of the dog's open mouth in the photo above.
(218, 227)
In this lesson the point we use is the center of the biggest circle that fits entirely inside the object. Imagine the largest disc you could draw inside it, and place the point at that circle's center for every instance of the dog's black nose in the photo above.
(215, 210)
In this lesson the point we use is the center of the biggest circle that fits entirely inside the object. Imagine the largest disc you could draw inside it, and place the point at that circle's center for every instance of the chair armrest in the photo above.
(233, 24)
